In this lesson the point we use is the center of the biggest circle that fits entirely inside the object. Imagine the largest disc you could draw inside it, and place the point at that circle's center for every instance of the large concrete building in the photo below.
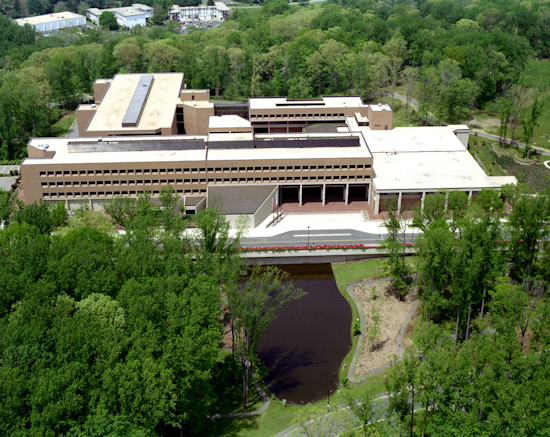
(53, 23)
(218, 11)
(167, 107)
(148, 131)
(127, 17)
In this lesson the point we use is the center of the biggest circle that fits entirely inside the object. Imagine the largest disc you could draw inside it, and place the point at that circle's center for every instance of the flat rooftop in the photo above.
(142, 6)
(65, 154)
(227, 122)
(412, 139)
(325, 102)
(128, 11)
(321, 152)
(158, 111)
(48, 18)
(221, 6)
(116, 150)
(328, 153)
(432, 171)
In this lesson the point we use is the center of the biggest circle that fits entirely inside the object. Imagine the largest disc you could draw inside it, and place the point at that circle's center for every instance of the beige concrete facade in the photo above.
(63, 173)
(196, 116)
(196, 149)
(170, 109)
(281, 115)
(100, 88)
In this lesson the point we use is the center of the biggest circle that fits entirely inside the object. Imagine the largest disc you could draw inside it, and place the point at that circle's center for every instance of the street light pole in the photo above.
(328, 401)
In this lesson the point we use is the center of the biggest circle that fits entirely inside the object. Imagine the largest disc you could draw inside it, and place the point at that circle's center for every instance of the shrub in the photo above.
(356, 327)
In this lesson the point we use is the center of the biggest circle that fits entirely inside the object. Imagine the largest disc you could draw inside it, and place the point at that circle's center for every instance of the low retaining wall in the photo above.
(516, 159)
(523, 161)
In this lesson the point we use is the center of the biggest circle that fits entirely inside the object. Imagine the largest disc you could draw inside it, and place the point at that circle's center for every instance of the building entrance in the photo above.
(335, 193)
(357, 193)
(290, 194)
(312, 194)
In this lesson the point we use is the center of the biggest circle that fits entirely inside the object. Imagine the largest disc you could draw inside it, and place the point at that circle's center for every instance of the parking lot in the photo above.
(204, 24)
(5, 169)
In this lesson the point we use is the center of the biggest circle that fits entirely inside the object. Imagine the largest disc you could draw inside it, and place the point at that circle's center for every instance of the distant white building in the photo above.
(220, 11)
(52, 23)
(127, 17)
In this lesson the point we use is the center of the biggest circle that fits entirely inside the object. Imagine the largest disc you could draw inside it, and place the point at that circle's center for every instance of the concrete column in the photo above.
(377, 204)
(90, 203)
(368, 193)
(399, 202)
(469, 197)
(346, 190)
(300, 194)
(422, 201)
(446, 200)
(324, 193)
(67, 204)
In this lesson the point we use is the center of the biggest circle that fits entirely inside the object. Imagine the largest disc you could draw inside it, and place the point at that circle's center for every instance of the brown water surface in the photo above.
(304, 347)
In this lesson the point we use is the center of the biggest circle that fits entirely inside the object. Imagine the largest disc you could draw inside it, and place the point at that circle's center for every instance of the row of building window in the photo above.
(202, 170)
(270, 116)
(201, 181)
(114, 193)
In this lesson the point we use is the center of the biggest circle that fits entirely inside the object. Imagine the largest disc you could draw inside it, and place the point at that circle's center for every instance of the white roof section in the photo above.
(221, 6)
(288, 153)
(158, 110)
(142, 6)
(412, 140)
(328, 153)
(380, 107)
(239, 136)
(128, 11)
(227, 122)
(63, 156)
(48, 18)
(431, 171)
(324, 102)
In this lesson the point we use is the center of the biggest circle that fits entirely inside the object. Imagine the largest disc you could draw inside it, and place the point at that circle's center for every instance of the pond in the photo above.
(304, 347)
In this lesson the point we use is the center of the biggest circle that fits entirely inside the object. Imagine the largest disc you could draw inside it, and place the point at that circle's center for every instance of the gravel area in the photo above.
(393, 314)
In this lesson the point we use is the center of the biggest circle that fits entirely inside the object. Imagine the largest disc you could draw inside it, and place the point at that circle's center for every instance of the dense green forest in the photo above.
(105, 333)
(452, 56)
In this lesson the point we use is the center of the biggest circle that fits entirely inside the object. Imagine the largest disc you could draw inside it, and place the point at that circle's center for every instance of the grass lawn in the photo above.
(541, 133)
(62, 126)
(254, 12)
(537, 73)
(279, 417)
(346, 273)
(486, 155)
